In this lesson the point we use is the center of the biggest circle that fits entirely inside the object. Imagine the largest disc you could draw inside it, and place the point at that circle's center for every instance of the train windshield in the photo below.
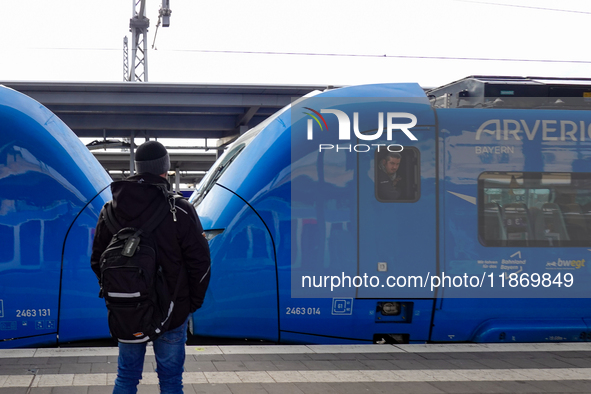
(226, 159)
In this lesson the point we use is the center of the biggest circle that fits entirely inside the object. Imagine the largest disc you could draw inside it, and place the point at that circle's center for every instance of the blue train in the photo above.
(367, 214)
(312, 242)
(51, 190)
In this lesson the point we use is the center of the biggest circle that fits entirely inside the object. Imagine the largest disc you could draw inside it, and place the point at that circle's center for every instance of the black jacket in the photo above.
(388, 189)
(181, 244)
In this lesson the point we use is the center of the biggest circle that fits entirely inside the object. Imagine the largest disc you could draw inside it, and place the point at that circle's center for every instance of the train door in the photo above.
(348, 229)
(397, 233)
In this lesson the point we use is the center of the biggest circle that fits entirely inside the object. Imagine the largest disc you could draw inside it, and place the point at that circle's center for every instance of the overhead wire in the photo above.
(232, 52)
(376, 55)
(523, 6)
(382, 56)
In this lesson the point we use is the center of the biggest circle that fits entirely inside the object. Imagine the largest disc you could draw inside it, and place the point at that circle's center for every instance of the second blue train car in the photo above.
(495, 184)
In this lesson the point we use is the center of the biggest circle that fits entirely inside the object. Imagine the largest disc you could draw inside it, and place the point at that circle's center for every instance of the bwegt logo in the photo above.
(345, 129)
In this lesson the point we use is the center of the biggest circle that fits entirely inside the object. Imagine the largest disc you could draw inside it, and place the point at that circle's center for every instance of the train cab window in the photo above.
(397, 175)
(226, 159)
(216, 171)
(534, 209)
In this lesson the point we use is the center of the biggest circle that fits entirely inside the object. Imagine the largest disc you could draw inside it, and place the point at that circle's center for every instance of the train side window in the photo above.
(397, 175)
(534, 209)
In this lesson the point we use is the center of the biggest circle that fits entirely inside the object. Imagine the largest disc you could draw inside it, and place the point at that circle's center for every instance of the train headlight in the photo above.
(390, 308)
(211, 234)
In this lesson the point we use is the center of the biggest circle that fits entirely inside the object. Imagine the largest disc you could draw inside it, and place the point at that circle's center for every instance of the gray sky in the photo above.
(76, 40)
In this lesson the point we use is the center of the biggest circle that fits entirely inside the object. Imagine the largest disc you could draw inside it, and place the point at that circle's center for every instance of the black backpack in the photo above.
(132, 282)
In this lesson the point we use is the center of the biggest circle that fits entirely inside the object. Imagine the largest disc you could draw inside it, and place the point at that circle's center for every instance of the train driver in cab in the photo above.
(389, 181)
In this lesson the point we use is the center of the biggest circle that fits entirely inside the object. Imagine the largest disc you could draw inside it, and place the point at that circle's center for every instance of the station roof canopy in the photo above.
(160, 110)
(117, 110)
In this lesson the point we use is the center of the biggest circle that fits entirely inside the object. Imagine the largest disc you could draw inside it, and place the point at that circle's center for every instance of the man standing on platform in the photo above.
(183, 254)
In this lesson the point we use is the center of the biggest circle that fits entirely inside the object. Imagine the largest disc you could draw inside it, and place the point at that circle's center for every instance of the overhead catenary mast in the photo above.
(138, 26)
(125, 60)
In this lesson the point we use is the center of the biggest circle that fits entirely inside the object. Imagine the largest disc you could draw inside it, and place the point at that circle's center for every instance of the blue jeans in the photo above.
(169, 349)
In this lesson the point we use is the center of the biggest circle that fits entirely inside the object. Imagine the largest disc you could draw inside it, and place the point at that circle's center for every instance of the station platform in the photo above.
(430, 368)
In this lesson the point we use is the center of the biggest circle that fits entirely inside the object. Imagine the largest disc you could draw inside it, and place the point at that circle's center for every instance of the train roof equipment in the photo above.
(479, 91)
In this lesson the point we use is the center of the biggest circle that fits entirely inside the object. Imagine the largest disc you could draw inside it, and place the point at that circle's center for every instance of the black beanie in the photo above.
(152, 157)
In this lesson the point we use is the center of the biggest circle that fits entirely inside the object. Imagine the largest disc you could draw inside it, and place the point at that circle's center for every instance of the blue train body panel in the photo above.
(243, 285)
(47, 178)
